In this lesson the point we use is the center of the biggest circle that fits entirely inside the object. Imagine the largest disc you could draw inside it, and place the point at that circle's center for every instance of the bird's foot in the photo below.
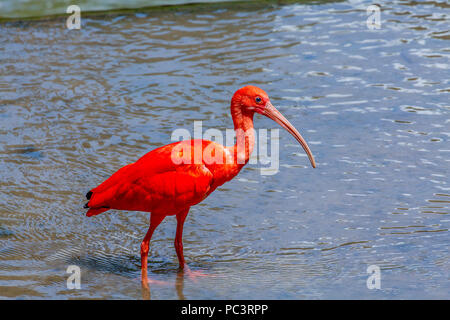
(157, 282)
(194, 274)
(152, 282)
(145, 281)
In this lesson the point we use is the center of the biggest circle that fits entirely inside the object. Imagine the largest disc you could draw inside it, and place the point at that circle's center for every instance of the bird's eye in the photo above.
(258, 99)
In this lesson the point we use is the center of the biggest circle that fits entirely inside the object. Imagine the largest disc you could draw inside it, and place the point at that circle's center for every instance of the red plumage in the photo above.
(170, 179)
(155, 183)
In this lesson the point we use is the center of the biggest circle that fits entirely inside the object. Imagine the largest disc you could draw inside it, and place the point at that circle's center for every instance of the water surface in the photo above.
(76, 105)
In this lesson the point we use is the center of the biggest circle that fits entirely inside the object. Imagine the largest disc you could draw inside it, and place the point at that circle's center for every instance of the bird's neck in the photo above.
(245, 135)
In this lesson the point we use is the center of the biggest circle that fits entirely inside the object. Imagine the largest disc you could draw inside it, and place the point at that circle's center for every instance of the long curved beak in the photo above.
(271, 112)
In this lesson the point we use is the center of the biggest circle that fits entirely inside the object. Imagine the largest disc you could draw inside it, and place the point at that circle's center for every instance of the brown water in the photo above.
(76, 105)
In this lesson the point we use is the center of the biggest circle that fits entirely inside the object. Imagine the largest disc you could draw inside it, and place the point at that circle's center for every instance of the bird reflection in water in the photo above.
(179, 286)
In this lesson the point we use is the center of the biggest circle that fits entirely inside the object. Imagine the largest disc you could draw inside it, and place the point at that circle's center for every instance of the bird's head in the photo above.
(252, 99)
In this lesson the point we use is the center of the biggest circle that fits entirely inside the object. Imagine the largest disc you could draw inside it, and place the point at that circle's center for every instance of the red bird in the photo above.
(170, 179)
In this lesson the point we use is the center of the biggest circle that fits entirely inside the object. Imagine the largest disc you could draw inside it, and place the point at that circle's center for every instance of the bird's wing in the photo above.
(155, 161)
(153, 181)
(170, 190)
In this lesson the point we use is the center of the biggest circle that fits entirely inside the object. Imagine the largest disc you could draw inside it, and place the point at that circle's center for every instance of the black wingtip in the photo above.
(89, 195)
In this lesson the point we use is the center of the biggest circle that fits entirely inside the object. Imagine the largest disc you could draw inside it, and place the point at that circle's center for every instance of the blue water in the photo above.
(76, 105)
(11, 9)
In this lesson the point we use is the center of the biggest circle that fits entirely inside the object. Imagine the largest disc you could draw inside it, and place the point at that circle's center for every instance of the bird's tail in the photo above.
(95, 211)
(92, 210)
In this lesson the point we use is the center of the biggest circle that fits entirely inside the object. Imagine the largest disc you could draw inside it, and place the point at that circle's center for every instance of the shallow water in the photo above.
(76, 105)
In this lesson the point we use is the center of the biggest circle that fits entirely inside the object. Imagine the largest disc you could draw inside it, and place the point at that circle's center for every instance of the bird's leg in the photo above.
(181, 217)
(155, 220)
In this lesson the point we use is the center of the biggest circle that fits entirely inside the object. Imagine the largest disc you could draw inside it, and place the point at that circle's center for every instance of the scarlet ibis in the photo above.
(170, 179)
